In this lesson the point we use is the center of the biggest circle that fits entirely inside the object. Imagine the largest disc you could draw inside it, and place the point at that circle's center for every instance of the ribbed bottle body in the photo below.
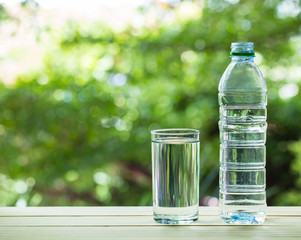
(242, 156)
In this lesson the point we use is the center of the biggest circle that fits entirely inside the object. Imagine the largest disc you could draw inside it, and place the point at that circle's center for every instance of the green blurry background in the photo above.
(75, 130)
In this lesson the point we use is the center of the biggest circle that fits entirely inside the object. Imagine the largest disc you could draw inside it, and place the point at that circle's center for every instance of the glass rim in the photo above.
(175, 131)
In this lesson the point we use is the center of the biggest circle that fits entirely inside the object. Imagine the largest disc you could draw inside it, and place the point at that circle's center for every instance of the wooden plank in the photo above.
(145, 233)
(95, 221)
(120, 211)
(88, 211)
(74, 211)
(126, 221)
(291, 211)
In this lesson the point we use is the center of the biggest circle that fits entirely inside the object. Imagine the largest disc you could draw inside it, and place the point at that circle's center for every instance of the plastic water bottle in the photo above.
(242, 100)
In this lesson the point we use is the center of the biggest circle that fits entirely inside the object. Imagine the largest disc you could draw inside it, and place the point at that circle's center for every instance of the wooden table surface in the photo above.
(108, 223)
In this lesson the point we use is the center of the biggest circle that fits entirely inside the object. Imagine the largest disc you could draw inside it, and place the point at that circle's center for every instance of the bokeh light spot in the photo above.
(117, 80)
(101, 178)
(21, 202)
(71, 176)
(288, 91)
(21, 187)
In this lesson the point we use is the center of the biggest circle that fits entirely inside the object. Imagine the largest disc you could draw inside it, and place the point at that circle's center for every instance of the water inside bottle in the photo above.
(242, 197)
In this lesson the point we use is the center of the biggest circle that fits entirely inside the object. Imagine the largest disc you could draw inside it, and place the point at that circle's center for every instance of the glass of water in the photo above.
(175, 168)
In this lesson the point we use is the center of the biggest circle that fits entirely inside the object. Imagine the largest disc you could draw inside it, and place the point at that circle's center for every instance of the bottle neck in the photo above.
(242, 59)
(242, 52)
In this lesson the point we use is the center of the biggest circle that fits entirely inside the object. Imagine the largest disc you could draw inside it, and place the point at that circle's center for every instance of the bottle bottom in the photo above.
(242, 207)
(242, 217)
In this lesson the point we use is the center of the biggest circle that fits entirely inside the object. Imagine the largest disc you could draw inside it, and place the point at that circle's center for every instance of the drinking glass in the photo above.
(175, 174)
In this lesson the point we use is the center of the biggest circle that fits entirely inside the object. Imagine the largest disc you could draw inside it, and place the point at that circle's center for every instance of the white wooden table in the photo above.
(108, 223)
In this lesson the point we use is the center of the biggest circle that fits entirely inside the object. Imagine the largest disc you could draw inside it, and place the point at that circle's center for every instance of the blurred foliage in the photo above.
(76, 131)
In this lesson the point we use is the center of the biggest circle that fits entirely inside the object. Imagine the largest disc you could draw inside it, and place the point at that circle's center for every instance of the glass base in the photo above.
(176, 220)
(243, 218)
(176, 215)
